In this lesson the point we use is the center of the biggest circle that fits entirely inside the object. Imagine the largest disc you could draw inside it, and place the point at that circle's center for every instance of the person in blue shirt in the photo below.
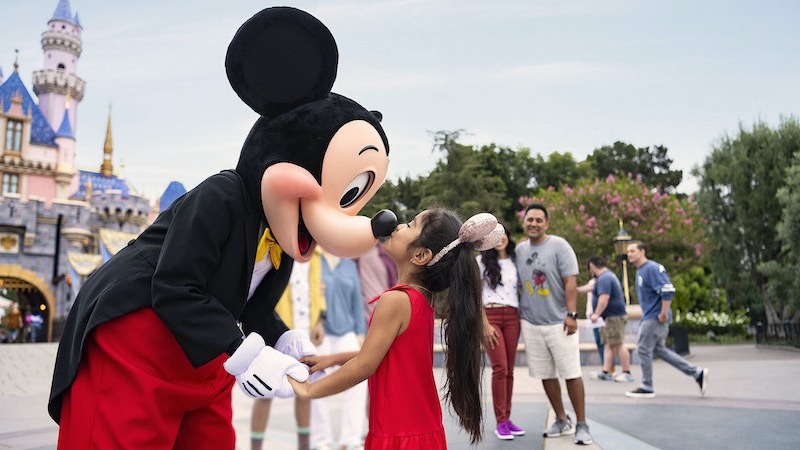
(655, 292)
(608, 303)
(345, 327)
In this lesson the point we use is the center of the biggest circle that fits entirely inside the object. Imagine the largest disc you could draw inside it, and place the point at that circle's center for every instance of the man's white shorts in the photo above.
(551, 352)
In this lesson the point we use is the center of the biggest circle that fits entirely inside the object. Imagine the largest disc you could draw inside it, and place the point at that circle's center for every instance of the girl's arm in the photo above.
(320, 362)
(391, 317)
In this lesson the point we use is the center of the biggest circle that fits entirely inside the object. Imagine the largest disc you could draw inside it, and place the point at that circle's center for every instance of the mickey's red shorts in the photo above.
(136, 389)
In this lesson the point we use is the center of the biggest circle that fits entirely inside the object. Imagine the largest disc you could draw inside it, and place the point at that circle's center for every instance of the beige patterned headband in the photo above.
(481, 231)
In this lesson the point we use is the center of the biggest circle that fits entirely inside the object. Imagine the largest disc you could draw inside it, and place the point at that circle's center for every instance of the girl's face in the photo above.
(398, 246)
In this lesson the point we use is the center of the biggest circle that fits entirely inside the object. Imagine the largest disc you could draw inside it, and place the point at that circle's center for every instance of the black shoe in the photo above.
(702, 381)
(640, 393)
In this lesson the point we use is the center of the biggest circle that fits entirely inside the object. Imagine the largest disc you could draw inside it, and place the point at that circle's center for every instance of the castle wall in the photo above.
(40, 153)
(36, 224)
(41, 186)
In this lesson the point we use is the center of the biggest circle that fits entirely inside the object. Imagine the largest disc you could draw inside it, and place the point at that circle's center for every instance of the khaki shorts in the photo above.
(551, 353)
(614, 331)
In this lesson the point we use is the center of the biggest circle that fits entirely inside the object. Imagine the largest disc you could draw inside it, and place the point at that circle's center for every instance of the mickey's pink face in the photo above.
(302, 212)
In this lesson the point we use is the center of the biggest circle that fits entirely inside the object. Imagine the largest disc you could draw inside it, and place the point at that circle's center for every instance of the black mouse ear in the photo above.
(280, 58)
(377, 115)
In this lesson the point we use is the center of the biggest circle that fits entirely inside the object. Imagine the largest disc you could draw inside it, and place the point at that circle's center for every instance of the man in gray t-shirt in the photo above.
(542, 267)
(548, 270)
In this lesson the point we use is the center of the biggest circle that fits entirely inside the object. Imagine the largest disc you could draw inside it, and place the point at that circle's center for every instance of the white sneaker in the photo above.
(560, 428)
(602, 376)
(624, 377)
(582, 435)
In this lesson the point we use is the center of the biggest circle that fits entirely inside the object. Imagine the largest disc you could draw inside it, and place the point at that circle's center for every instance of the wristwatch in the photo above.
(574, 315)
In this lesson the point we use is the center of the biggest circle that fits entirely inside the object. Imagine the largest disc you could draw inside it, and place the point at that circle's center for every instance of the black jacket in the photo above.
(193, 266)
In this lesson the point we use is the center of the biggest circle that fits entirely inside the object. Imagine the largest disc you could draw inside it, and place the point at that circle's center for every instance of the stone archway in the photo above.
(15, 277)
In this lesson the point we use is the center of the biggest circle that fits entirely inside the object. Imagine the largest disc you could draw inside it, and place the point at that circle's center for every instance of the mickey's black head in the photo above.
(282, 63)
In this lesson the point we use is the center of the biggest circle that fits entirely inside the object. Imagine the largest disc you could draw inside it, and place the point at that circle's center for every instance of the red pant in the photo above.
(503, 357)
(135, 389)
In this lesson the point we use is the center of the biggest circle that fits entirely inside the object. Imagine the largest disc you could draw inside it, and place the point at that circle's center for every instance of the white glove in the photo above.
(261, 371)
(296, 344)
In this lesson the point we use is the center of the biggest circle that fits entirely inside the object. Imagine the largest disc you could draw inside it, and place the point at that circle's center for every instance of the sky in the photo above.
(560, 75)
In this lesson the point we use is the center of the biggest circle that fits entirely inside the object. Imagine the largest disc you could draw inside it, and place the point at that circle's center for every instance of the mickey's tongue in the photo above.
(304, 242)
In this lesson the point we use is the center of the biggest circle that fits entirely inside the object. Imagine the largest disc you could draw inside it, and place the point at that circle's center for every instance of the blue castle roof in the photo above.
(174, 190)
(42, 132)
(100, 184)
(64, 12)
(65, 130)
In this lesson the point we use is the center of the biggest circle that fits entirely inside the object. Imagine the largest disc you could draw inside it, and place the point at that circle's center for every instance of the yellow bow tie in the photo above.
(268, 244)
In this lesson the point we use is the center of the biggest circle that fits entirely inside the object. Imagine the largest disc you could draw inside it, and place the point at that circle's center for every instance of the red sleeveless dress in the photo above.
(404, 409)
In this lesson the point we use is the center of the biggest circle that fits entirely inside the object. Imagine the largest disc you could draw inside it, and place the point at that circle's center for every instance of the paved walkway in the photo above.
(752, 402)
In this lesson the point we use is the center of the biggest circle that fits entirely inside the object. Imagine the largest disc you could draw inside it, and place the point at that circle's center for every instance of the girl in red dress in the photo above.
(433, 253)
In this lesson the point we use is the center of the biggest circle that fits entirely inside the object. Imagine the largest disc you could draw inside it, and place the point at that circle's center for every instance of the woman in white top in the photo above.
(501, 328)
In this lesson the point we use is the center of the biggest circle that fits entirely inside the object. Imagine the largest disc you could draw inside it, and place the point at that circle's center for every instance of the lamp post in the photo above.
(621, 240)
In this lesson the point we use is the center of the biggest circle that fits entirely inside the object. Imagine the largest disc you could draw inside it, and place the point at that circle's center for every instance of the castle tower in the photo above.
(107, 169)
(65, 139)
(61, 45)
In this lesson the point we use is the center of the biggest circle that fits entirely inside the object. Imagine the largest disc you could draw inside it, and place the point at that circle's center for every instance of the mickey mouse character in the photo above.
(158, 335)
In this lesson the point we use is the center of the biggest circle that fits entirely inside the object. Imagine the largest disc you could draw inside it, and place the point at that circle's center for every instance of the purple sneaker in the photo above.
(502, 432)
(515, 430)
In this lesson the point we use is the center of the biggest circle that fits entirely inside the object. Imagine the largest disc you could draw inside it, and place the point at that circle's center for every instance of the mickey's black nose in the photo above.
(383, 223)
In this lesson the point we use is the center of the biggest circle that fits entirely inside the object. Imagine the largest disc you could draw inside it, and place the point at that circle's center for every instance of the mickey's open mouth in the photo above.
(304, 239)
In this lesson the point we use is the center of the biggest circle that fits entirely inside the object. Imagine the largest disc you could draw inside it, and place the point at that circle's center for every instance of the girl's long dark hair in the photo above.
(458, 272)
(491, 266)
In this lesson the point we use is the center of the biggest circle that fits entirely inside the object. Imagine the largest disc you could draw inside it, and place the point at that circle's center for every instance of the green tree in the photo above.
(459, 180)
(622, 159)
(783, 277)
(557, 170)
(739, 185)
(514, 168)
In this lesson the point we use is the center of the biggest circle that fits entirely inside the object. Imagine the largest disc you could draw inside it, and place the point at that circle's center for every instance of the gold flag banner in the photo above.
(114, 241)
(84, 264)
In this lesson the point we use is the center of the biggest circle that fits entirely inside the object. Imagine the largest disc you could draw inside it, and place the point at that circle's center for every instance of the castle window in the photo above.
(61, 66)
(10, 183)
(13, 136)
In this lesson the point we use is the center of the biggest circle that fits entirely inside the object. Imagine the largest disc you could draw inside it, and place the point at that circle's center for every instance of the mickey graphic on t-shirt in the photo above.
(539, 276)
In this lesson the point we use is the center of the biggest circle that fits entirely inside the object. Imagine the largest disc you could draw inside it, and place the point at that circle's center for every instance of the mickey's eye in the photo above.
(356, 189)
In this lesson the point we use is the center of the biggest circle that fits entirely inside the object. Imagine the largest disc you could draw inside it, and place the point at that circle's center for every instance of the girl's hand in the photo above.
(318, 362)
(300, 389)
